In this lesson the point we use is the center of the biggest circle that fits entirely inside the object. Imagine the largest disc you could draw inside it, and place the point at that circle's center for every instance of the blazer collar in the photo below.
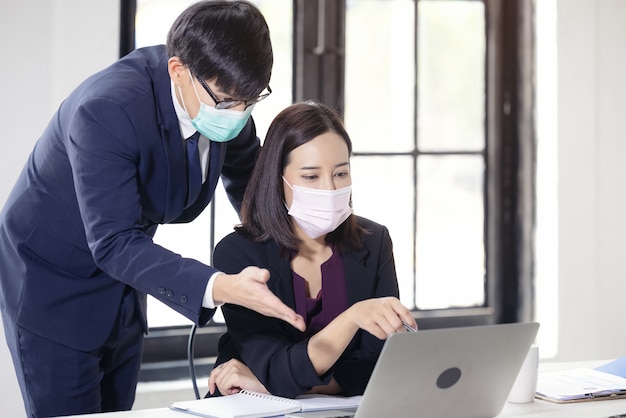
(359, 279)
(175, 195)
(280, 275)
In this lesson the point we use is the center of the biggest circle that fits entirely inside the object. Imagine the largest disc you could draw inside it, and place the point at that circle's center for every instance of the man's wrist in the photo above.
(209, 301)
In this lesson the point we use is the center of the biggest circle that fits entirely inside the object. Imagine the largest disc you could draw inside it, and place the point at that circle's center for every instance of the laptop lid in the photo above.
(451, 372)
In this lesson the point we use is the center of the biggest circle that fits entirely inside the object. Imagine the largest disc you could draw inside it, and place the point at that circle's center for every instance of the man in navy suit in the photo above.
(139, 144)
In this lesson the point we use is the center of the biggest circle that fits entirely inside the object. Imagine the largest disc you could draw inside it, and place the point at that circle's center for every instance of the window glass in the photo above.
(419, 164)
(451, 75)
(450, 253)
(388, 199)
(380, 74)
(153, 20)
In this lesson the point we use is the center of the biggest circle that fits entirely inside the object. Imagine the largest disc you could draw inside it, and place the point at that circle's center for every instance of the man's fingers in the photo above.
(296, 321)
(287, 314)
(249, 289)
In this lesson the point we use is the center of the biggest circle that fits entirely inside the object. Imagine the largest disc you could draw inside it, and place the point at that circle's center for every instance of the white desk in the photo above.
(590, 409)
(538, 408)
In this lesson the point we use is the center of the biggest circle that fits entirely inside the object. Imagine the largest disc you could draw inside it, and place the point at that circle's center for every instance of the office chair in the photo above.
(190, 355)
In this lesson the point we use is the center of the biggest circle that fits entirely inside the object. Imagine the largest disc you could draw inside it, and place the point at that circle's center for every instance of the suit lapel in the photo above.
(281, 283)
(281, 280)
(359, 279)
(175, 191)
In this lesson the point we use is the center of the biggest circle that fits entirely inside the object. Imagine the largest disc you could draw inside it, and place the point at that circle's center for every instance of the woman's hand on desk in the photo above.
(232, 377)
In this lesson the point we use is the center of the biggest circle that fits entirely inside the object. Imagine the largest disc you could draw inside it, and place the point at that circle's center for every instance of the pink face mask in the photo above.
(318, 212)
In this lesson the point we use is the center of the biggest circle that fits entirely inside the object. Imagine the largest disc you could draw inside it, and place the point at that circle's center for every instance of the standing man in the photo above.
(139, 144)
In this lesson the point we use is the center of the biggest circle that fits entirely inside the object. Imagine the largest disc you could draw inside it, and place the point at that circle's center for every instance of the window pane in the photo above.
(383, 191)
(451, 75)
(446, 265)
(380, 74)
(450, 223)
(153, 20)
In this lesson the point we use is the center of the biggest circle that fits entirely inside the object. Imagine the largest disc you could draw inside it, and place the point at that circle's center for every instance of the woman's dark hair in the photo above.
(225, 41)
(264, 214)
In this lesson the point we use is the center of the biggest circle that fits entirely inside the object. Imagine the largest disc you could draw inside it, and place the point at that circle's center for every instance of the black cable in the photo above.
(192, 332)
(190, 355)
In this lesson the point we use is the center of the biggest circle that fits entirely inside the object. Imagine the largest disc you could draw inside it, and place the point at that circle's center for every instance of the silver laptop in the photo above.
(452, 372)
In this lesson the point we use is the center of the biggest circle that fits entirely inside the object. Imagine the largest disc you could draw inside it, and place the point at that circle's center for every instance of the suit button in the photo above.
(169, 293)
(161, 291)
(184, 299)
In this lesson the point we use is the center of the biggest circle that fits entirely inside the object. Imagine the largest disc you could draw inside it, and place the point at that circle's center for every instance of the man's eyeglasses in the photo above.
(228, 104)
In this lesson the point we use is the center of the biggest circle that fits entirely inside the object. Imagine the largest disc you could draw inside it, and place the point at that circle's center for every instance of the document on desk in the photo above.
(580, 384)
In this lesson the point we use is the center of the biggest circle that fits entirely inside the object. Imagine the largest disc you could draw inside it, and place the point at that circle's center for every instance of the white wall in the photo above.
(50, 45)
(592, 172)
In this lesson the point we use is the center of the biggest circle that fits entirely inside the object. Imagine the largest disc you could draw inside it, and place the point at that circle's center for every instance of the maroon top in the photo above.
(329, 302)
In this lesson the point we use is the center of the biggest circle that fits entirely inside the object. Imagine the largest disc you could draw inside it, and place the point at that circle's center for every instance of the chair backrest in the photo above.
(190, 356)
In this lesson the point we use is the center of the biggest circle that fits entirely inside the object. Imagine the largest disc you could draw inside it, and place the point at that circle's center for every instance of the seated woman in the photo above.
(334, 268)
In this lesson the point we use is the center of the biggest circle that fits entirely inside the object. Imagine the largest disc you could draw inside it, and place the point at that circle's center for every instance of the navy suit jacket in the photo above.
(77, 227)
(277, 352)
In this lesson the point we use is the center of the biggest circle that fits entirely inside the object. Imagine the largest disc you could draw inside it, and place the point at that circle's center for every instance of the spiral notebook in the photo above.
(247, 404)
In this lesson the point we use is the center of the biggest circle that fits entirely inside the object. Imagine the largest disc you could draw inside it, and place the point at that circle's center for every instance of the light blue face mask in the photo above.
(219, 125)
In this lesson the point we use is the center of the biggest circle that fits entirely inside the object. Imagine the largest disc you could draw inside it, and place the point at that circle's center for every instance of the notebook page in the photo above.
(244, 404)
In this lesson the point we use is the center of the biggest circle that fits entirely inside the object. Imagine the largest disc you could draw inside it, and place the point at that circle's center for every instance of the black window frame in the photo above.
(509, 179)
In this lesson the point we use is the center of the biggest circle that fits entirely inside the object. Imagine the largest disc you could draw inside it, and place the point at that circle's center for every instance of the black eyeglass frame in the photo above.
(229, 104)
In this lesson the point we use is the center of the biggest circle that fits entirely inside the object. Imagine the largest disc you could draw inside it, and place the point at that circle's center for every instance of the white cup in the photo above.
(525, 386)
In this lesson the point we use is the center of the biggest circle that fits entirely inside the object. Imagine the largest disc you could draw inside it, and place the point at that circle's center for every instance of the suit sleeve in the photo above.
(271, 348)
(241, 155)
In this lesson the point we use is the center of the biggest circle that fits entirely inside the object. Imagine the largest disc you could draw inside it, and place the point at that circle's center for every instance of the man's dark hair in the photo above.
(225, 41)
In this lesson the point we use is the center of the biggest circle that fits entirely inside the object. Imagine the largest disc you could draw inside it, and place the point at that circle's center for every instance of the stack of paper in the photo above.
(583, 384)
